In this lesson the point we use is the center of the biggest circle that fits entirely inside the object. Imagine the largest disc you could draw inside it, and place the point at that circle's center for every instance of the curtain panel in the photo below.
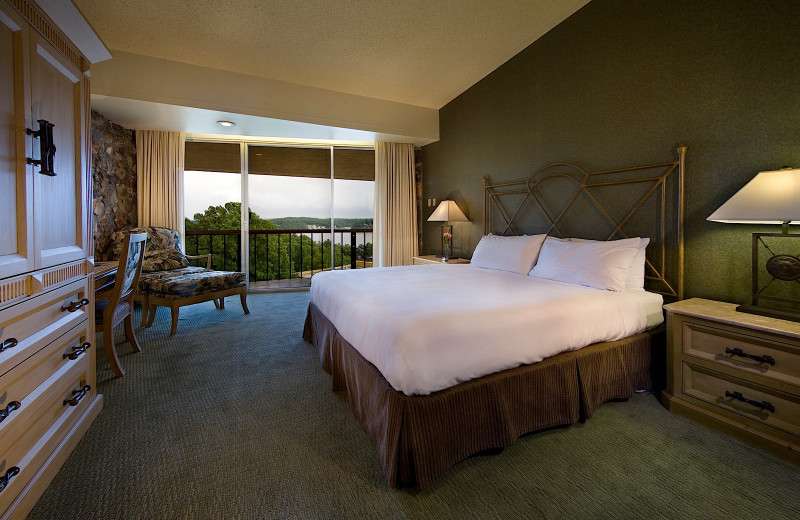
(159, 179)
(395, 221)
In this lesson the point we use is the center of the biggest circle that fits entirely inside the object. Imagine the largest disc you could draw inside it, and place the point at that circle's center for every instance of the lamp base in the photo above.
(772, 312)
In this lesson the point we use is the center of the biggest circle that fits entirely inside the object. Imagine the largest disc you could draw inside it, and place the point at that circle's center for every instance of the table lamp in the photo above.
(447, 211)
(771, 197)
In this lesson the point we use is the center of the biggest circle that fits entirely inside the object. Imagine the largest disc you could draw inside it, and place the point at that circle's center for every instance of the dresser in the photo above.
(737, 372)
(433, 259)
(48, 395)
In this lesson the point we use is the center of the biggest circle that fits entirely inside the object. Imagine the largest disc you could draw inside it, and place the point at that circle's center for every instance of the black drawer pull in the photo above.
(74, 306)
(765, 405)
(9, 343)
(79, 394)
(77, 351)
(761, 359)
(5, 412)
(5, 479)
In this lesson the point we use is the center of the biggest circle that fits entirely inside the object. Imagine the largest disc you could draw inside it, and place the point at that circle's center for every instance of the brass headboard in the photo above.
(565, 200)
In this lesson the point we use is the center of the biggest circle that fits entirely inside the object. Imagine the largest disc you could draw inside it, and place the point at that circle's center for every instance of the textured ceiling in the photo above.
(418, 52)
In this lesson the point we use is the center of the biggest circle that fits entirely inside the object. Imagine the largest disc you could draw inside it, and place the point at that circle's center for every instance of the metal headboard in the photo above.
(649, 196)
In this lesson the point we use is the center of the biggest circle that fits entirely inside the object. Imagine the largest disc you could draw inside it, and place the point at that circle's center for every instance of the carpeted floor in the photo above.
(233, 418)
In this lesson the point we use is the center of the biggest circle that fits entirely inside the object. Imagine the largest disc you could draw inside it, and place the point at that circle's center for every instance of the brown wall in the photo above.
(622, 82)
(113, 181)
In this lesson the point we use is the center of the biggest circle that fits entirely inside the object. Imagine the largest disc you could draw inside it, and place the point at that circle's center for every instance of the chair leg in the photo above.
(222, 303)
(243, 297)
(151, 314)
(175, 311)
(111, 351)
(145, 310)
(129, 333)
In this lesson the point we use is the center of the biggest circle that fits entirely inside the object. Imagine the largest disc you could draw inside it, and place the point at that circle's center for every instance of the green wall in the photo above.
(621, 82)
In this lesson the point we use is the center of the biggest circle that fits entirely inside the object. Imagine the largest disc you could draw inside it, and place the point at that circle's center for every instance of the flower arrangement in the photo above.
(446, 236)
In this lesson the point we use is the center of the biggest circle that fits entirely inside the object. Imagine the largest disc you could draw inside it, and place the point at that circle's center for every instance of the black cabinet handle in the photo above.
(5, 479)
(47, 148)
(764, 405)
(77, 351)
(78, 395)
(761, 359)
(74, 306)
(5, 412)
(9, 343)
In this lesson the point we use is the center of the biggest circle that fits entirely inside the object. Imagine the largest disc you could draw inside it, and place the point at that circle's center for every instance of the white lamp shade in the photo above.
(447, 210)
(770, 198)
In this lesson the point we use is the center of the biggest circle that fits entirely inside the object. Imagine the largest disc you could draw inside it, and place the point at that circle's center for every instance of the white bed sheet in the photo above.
(429, 327)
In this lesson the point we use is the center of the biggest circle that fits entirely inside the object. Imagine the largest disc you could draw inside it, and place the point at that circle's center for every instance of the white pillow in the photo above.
(635, 278)
(515, 254)
(602, 265)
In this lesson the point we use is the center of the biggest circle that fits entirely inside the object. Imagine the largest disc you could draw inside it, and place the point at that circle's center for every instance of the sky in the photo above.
(273, 196)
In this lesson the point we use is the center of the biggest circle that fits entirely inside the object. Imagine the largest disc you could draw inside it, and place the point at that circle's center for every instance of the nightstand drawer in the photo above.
(748, 352)
(766, 406)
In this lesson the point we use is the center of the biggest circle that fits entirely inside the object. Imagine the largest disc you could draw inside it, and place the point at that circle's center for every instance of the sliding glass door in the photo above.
(310, 209)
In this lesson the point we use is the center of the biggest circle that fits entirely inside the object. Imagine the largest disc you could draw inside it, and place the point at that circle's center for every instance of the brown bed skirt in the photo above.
(418, 438)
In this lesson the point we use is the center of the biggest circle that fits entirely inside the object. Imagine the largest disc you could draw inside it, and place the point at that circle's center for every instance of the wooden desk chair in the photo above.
(116, 304)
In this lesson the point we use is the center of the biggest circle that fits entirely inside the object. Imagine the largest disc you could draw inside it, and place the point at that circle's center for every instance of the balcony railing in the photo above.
(283, 254)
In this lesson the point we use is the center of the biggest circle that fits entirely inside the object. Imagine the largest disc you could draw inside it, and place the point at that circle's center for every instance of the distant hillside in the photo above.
(315, 223)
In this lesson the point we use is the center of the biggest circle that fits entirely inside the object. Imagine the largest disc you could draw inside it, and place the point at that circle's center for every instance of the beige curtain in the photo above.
(159, 179)
(395, 225)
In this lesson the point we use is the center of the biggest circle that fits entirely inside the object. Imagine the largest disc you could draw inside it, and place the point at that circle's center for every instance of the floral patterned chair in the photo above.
(168, 280)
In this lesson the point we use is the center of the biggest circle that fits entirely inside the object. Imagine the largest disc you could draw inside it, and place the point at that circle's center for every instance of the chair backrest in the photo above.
(130, 267)
(157, 238)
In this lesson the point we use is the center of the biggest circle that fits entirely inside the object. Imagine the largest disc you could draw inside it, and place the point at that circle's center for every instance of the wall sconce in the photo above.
(447, 211)
(771, 197)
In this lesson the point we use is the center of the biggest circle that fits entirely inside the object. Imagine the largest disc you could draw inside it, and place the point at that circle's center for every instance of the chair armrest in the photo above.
(197, 257)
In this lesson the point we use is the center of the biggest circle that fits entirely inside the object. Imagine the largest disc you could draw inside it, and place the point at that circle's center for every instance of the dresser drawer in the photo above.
(28, 326)
(25, 378)
(766, 406)
(46, 415)
(751, 353)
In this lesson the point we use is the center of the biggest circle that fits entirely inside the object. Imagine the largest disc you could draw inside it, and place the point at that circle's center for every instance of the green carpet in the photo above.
(233, 418)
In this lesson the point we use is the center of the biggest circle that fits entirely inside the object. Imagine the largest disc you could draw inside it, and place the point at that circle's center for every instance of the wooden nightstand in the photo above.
(433, 259)
(736, 372)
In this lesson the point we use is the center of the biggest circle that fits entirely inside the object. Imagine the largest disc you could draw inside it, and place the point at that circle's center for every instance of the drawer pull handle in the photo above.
(74, 306)
(77, 351)
(9, 343)
(761, 359)
(5, 412)
(765, 405)
(79, 394)
(5, 479)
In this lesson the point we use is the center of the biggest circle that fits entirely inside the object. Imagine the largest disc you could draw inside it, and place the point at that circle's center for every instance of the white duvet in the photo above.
(429, 327)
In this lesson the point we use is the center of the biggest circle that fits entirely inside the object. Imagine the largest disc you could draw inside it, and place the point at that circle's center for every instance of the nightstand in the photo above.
(433, 259)
(736, 372)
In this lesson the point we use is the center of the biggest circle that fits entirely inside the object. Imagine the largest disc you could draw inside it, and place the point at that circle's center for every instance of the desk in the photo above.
(104, 275)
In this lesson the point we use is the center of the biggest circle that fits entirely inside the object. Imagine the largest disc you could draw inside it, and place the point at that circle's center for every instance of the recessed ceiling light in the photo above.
(227, 123)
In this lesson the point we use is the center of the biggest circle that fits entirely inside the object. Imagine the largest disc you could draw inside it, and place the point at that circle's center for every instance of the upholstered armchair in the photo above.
(168, 280)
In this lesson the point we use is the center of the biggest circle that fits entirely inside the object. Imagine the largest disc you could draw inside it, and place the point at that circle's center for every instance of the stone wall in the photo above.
(113, 182)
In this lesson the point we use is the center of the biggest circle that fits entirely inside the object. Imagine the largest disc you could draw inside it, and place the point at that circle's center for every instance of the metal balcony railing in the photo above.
(283, 254)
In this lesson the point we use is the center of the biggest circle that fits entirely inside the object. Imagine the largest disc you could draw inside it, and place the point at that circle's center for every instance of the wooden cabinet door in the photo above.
(16, 194)
(57, 95)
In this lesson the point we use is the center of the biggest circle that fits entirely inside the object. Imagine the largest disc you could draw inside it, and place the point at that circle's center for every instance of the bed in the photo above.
(435, 375)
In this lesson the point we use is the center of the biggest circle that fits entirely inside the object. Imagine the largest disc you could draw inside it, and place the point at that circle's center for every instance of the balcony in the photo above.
(283, 258)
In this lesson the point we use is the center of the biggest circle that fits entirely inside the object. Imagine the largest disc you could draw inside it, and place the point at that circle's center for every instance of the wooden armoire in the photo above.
(48, 395)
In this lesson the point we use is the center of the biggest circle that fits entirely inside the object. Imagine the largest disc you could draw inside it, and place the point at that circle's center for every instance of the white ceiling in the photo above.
(416, 52)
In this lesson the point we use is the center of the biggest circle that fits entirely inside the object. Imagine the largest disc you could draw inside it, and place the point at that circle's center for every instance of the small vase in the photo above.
(444, 253)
